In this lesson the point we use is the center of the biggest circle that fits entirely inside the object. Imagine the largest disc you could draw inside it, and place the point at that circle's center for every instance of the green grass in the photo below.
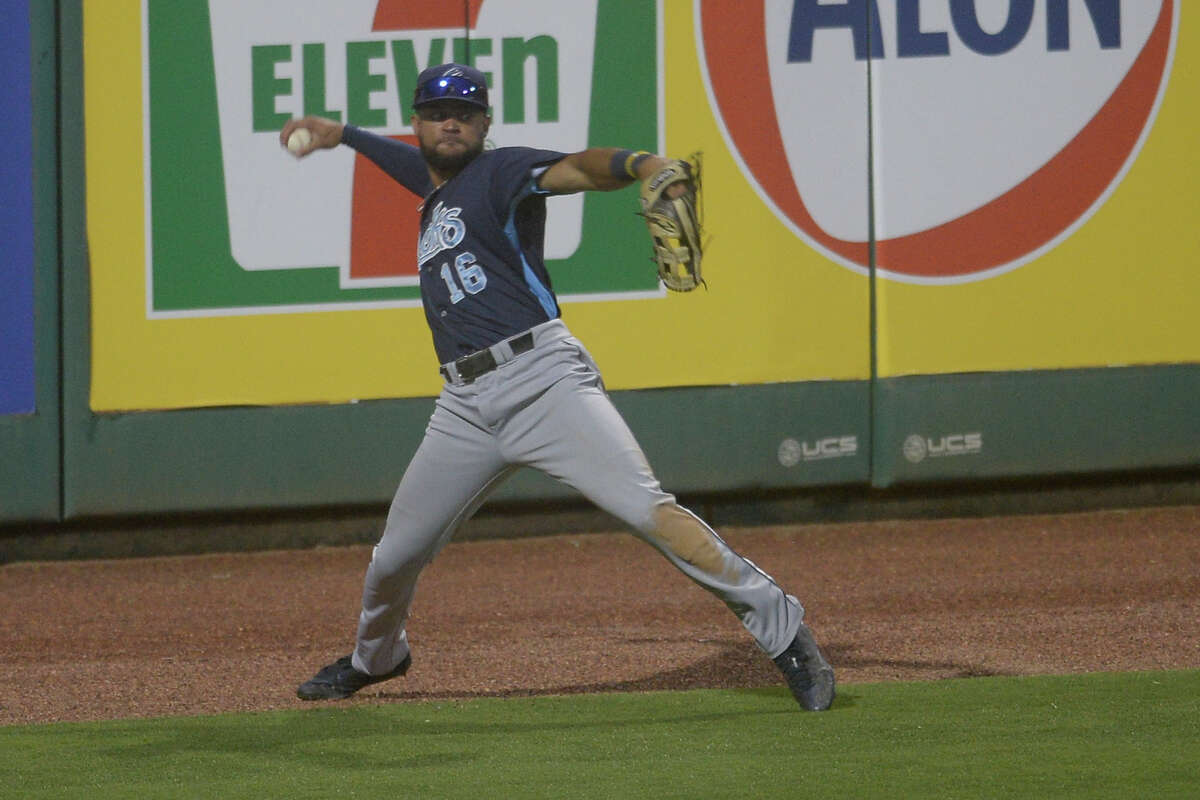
(1118, 735)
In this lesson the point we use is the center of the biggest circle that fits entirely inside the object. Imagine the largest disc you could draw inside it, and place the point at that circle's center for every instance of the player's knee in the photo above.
(398, 555)
(684, 534)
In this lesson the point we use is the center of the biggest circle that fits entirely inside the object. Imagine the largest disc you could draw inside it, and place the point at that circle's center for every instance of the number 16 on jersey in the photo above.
(470, 275)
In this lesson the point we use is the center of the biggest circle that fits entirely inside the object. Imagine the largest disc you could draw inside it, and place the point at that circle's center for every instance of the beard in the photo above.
(450, 163)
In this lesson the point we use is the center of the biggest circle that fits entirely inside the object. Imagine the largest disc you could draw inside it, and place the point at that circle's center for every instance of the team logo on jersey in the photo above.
(973, 135)
(445, 231)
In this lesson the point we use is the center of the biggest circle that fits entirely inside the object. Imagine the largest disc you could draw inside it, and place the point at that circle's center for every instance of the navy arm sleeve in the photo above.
(400, 160)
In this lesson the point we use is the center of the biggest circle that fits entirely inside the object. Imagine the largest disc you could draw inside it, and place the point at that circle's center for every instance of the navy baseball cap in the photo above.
(451, 82)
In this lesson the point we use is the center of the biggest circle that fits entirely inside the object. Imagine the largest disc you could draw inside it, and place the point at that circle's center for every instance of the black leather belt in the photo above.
(482, 362)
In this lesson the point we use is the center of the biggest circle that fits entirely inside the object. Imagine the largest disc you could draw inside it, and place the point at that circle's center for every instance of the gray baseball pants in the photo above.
(545, 408)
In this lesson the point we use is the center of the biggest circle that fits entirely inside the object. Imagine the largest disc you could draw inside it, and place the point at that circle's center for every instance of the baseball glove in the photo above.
(675, 224)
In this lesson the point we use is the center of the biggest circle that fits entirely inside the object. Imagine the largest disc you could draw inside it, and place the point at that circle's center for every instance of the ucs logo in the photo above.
(917, 448)
(989, 130)
(792, 452)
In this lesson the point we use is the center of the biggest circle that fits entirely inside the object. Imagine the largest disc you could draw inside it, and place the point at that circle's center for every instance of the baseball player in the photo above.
(519, 389)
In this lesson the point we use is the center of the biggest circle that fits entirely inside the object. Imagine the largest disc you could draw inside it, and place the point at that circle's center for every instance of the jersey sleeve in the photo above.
(400, 160)
(517, 169)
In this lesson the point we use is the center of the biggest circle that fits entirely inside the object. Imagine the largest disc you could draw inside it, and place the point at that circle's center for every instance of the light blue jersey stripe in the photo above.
(539, 289)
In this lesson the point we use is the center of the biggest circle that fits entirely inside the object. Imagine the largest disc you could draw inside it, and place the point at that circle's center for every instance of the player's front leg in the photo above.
(454, 468)
(452, 472)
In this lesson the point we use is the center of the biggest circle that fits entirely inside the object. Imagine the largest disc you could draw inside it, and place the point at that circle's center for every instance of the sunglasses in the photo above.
(452, 87)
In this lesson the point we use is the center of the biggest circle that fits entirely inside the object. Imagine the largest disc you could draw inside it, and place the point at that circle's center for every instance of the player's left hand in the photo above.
(670, 200)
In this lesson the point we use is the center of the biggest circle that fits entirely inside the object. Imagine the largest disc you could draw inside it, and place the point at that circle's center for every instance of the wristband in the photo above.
(638, 158)
(623, 165)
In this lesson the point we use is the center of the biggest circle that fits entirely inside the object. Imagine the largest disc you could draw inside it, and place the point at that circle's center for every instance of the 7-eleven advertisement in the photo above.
(226, 272)
(334, 230)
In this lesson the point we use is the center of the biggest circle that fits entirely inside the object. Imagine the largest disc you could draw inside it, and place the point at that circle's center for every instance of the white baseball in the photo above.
(299, 141)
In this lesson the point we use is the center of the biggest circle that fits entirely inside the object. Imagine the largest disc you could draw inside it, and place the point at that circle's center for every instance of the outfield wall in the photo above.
(948, 248)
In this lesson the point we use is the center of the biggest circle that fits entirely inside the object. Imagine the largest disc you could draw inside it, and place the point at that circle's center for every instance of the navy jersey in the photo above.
(482, 270)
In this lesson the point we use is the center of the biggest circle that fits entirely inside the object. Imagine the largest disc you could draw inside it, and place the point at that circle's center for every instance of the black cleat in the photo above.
(808, 674)
(340, 679)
